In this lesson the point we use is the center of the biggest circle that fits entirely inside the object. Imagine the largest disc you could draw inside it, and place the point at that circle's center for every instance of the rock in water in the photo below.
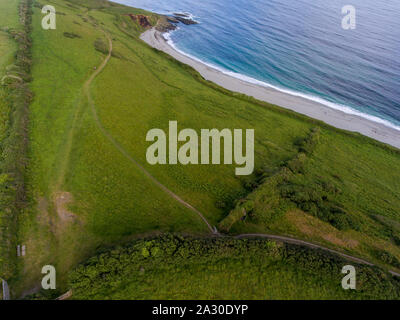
(185, 20)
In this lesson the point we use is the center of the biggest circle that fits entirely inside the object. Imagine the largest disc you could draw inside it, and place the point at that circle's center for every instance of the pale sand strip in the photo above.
(307, 107)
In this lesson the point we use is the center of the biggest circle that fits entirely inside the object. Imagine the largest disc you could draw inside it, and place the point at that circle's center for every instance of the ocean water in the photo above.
(300, 47)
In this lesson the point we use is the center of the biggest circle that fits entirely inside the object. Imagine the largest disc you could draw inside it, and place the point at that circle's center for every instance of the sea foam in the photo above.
(242, 77)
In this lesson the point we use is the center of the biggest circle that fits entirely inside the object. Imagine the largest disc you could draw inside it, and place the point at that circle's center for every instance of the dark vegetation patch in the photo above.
(102, 47)
(319, 200)
(391, 227)
(38, 4)
(72, 6)
(387, 258)
(71, 35)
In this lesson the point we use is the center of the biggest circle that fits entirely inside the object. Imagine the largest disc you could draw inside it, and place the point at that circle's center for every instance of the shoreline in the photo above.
(310, 108)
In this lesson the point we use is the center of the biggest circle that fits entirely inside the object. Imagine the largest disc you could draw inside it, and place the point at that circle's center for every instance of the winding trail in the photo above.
(110, 138)
(65, 296)
(309, 245)
(303, 243)
(312, 246)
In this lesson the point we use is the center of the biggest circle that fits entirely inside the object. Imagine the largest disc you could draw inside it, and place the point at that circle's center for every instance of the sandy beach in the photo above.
(336, 118)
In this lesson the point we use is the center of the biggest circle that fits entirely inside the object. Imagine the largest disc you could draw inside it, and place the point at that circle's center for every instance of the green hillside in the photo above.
(88, 186)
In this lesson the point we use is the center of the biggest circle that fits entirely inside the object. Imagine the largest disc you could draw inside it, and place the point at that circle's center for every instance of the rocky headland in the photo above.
(170, 22)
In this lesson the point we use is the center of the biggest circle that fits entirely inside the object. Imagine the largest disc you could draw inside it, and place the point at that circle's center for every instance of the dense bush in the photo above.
(309, 143)
(320, 200)
(101, 46)
(388, 258)
(143, 263)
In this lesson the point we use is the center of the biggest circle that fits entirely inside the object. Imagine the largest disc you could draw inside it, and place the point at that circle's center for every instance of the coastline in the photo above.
(310, 108)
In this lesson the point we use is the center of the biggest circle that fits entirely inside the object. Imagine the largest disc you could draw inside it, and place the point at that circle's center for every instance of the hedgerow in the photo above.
(138, 265)
(14, 143)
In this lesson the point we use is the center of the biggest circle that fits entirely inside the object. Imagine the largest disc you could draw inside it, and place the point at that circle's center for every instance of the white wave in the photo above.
(242, 77)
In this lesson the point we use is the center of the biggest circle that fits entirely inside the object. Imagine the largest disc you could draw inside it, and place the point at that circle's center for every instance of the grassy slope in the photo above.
(8, 19)
(144, 89)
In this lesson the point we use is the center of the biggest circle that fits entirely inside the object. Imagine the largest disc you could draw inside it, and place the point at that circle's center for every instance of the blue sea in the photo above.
(300, 47)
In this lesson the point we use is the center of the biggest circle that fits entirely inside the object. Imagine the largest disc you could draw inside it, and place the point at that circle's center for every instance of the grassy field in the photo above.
(8, 20)
(85, 194)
